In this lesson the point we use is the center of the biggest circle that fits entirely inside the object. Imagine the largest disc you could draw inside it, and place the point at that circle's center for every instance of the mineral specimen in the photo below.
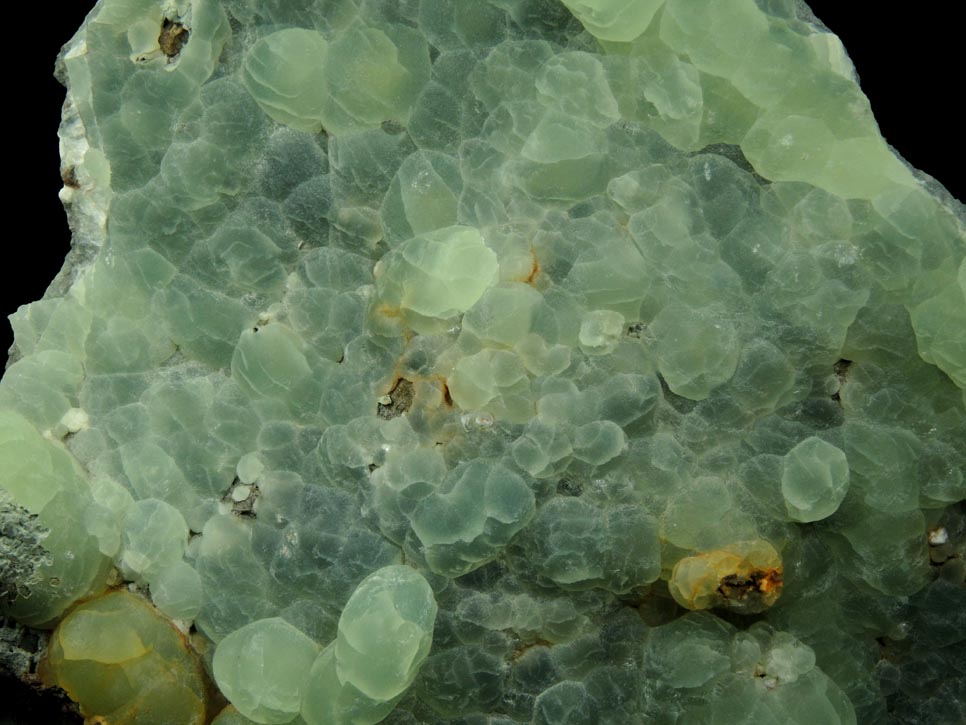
(488, 361)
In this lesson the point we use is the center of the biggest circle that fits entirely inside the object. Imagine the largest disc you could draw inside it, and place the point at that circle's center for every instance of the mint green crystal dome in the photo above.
(564, 362)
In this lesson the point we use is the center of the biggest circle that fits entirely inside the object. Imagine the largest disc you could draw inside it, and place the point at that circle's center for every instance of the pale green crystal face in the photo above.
(117, 651)
(815, 480)
(284, 73)
(489, 361)
(434, 277)
(153, 539)
(263, 669)
(385, 632)
(621, 20)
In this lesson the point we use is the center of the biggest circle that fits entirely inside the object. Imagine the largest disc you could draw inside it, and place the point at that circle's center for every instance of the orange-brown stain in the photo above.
(744, 576)
(534, 269)
(771, 581)
(525, 647)
(69, 177)
(447, 398)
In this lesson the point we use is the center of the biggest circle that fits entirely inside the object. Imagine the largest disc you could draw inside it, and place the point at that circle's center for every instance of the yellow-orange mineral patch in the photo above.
(745, 577)
(124, 663)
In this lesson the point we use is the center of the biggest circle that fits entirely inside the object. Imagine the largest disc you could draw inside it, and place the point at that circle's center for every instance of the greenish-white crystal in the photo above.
(153, 539)
(385, 632)
(284, 73)
(815, 480)
(263, 669)
(621, 20)
(488, 361)
(176, 590)
(435, 276)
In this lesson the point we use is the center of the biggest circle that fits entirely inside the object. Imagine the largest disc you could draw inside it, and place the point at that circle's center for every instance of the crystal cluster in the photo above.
(489, 362)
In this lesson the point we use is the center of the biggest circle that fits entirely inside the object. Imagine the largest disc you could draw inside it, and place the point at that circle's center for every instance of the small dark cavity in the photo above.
(392, 128)
(939, 554)
(400, 399)
(173, 38)
(735, 155)
(736, 588)
(841, 369)
(245, 507)
(636, 330)
(569, 487)
(69, 177)
(29, 640)
(681, 404)
(447, 397)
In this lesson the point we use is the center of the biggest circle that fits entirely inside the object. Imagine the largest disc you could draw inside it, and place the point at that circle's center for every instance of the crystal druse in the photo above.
(488, 362)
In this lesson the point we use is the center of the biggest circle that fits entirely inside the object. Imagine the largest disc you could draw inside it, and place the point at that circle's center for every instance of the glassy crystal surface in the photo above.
(504, 361)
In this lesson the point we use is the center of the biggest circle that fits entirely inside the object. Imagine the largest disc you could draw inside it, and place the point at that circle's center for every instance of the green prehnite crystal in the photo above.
(263, 669)
(119, 658)
(153, 539)
(433, 277)
(488, 361)
(42, 479)
(385, 633)
(282, 72)
(815, 480)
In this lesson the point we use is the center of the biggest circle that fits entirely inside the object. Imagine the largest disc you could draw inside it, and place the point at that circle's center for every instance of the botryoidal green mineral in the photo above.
(488, 362)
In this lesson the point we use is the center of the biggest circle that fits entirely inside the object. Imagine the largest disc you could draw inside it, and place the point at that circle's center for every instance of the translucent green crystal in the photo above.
(177, 591)
(759, 675)
(153, 539)
(122, 661)
(614, 19)
(436, 276)
(385, 632)
(488, 361)
(281, 72)
(43, 479)
(815, 479)
(263, 667)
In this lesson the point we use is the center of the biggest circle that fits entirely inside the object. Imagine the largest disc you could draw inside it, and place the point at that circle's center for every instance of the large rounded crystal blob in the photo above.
(123, 662)
(263, 667)
(815, 480)
(385, 632)
(43, 486)
(434, 277)
(283, 72)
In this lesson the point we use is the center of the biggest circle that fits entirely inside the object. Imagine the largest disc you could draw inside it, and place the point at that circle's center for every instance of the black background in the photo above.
(910, 65)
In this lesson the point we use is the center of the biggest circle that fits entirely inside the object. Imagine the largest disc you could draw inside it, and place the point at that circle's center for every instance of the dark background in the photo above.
(910, 65)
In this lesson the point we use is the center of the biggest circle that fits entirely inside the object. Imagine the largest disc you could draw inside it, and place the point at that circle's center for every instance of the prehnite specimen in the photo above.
(488, 361)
